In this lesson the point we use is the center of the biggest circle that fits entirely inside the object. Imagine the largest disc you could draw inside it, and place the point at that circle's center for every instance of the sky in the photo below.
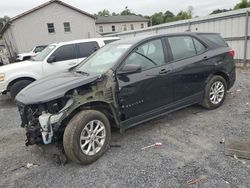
(145, 7)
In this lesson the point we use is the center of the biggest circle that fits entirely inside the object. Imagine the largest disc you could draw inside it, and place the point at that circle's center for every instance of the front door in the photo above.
(151, 88)
(65, 58)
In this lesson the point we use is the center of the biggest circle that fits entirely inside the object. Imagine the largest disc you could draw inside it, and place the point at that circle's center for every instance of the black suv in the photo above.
(123, 84)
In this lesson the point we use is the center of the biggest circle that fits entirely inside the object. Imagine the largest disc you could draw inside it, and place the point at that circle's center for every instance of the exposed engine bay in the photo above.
(45, 122)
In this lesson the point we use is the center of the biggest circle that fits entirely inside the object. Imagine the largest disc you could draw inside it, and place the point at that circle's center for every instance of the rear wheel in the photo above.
(215, 92)
(17, 87)
(87, 137)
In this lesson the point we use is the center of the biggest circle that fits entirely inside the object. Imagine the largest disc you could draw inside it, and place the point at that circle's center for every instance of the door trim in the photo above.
(188, 101)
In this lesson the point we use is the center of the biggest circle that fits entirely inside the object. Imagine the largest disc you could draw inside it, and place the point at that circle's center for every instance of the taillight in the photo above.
(231, 53)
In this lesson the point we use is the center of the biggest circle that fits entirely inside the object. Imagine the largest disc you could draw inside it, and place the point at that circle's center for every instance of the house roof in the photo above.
(42, 6)
(120, 19)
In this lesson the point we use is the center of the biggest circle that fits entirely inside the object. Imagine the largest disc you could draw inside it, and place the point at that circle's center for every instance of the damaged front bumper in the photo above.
(41, 125)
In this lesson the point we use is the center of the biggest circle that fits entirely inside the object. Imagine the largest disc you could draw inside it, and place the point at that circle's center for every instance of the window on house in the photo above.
(113, 28)
(124, 27)
(101, 29)
(66, 27)
(142, 26)
(132, 26)
(51, 28)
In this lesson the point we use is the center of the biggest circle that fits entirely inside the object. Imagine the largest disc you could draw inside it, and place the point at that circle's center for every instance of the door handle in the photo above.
(205, 58)
(164, 71)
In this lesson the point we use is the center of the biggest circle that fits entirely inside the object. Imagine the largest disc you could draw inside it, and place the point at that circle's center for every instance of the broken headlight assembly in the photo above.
(43, 120)
(47, 119)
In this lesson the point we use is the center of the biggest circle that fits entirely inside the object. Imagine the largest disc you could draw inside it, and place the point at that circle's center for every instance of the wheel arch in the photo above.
(19, 79)
(222, 74)
(102, 106)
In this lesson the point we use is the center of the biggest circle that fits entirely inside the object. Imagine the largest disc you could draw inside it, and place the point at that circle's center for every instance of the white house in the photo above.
(115, 24)
(54, 21)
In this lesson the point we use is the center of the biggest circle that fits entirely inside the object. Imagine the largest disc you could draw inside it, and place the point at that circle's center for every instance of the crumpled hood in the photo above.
(53, 87)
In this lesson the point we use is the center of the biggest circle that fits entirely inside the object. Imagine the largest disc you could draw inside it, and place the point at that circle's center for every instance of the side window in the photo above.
(148, 55)
(64, 53)
(85, 49)
(200, 48)
(182, 47)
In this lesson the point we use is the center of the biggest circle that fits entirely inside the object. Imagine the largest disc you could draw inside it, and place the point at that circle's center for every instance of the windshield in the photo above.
(41, 56)
(103, 59)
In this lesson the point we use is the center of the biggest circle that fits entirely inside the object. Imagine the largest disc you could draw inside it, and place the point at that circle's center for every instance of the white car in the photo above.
(32, 53)
(55, 58)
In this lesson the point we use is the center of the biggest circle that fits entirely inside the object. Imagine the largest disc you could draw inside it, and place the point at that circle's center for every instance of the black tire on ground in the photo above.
(206, 102)
(17, 87)
(73, 132)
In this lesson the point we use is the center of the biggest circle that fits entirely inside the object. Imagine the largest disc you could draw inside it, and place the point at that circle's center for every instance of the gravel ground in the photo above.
(190, 149)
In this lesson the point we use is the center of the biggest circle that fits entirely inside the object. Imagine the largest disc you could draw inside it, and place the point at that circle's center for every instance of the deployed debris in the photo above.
(195, 181)
(235, 157)
(157, 144)
(238, 147)
(31, 165)
(222, 141)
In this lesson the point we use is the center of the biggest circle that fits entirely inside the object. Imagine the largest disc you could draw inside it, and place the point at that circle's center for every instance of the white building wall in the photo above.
(107, 28)
(31, 30)
(231, 25)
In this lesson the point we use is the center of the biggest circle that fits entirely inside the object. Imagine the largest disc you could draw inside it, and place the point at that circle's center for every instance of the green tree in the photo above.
(104, 12)
(183, 15)
(3, 21)
(217, 11)
(115, 14)
(157, 18)
(242, 4)
(126, 11)
(168, 16)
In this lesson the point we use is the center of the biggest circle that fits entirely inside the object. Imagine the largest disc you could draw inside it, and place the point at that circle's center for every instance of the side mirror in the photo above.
(130, 68)
(51, 59)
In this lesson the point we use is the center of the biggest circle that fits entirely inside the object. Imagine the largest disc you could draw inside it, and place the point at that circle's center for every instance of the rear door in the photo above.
(143, 92)
(191, 65)
(65, 58)
(85, 49)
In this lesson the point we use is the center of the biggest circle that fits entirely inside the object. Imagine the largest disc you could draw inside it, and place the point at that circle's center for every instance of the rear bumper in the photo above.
(3, 86)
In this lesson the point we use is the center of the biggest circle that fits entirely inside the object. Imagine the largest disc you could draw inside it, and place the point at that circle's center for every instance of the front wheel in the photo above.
(215, 92)
(87, 136)
(17, 87)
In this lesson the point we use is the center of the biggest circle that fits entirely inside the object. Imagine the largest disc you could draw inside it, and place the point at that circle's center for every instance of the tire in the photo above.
(77, 127)
(209, 101)
(17, 87)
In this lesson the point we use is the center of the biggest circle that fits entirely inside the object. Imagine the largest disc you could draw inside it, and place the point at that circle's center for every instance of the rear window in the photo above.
(85, 49)
(182, 47)
(64, 53)
(215, 38)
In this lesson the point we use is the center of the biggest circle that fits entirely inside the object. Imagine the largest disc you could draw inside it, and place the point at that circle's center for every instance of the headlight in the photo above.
(2, 77)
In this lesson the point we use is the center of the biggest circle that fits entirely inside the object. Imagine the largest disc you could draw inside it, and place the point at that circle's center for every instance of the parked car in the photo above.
(32, 53)
(53, 59)
(124, 84)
